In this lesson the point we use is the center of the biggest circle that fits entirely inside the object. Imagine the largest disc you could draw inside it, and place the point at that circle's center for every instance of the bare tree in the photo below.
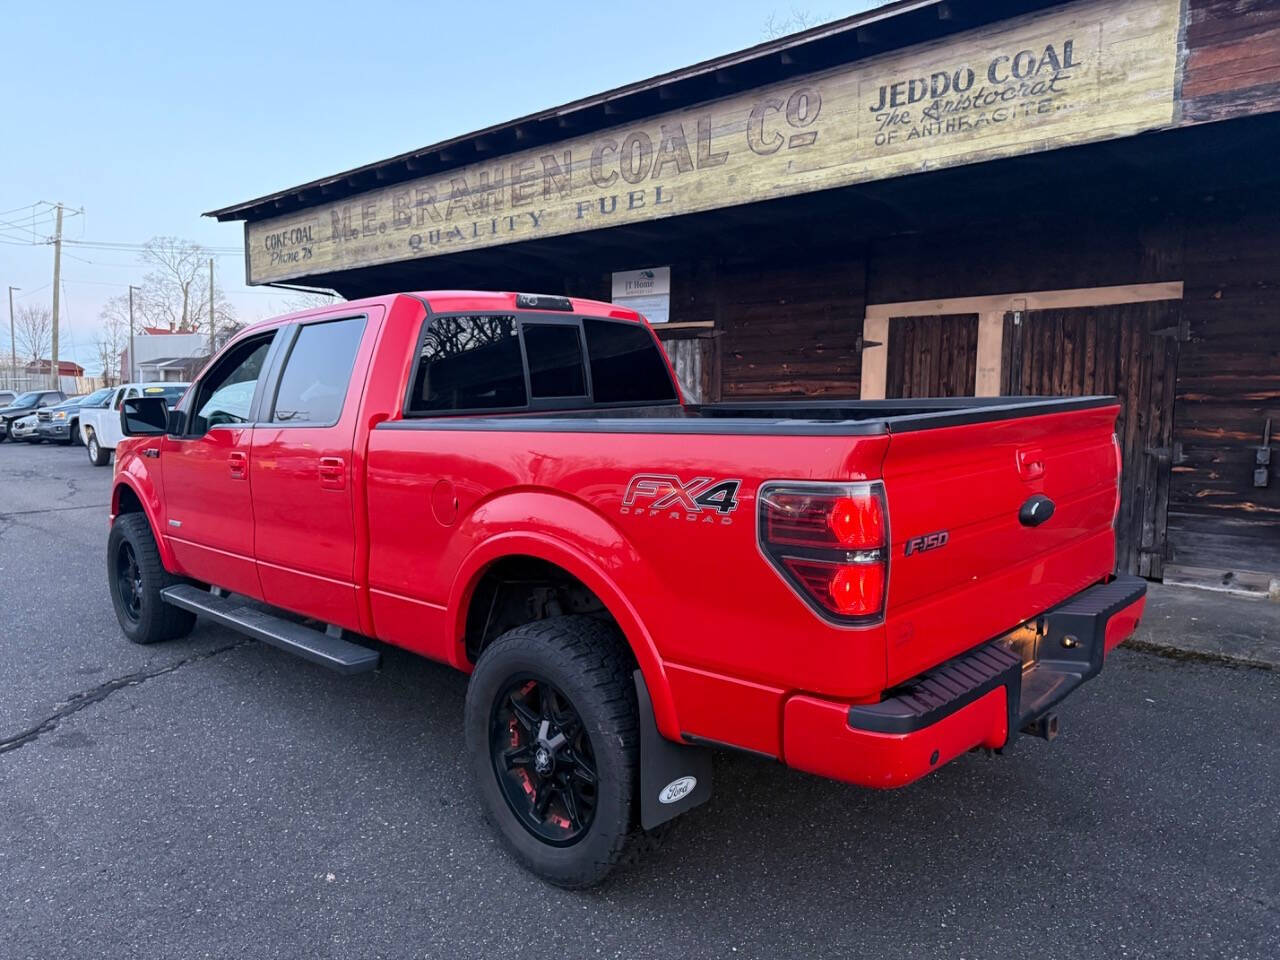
(311, 299)
(175, 293)
(779, 25)
(33, 333)
(113, 336)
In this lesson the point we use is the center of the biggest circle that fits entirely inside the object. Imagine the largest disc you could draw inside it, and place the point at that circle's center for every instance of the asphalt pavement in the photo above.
(217, 798)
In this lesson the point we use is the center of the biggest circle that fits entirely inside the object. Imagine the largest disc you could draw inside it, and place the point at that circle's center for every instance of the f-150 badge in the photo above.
(702, 499)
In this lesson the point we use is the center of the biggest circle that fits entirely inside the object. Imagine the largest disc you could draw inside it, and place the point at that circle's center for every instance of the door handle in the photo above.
(238, 461)
(333, 472)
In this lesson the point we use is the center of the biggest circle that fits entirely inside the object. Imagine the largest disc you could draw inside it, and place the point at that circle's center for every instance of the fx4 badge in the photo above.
(700, 500)
(930, 541)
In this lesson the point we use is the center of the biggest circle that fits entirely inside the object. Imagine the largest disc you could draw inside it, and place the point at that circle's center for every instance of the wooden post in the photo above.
(57, 284)
(13, 340)
(132, 365)
(212, 343)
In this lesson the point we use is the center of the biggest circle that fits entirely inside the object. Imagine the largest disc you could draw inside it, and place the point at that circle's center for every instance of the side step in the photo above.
(322, 648)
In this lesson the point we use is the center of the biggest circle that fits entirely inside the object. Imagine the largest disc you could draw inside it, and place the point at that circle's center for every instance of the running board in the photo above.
(322, 648)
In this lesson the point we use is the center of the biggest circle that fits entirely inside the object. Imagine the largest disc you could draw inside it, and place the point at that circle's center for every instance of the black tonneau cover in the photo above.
(785, 417)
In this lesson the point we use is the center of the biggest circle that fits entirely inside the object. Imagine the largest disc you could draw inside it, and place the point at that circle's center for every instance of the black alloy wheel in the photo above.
(128, 581)
(544, 761)
(136, 578)
(553, 735)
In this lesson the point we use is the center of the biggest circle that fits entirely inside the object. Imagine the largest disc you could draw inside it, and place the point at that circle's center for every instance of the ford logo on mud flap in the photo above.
(677, 789)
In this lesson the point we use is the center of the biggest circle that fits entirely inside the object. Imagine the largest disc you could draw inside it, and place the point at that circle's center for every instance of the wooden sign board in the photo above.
(1087, 71)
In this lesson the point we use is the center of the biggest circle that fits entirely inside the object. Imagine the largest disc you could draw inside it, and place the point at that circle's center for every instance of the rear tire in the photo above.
(97, 455)
(135, 577)
(590, 712)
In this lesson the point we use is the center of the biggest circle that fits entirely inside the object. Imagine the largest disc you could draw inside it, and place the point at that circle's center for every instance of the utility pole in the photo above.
(57, 286)
(13, 341)
(212, 343)
(132, 377)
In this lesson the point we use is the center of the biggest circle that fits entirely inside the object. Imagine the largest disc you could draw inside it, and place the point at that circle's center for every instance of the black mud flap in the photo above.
(674, 778)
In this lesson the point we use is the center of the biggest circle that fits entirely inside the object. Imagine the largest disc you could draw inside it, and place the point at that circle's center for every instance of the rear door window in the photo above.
(554, 352)
(469, 363)
(313, 386)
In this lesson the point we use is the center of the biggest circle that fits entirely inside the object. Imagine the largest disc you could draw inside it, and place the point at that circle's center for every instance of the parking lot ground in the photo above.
(217, 798)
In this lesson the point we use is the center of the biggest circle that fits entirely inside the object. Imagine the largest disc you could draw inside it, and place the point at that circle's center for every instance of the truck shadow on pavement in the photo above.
(1050, 835)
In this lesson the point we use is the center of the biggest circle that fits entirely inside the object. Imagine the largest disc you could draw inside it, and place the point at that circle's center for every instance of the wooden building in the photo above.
(936, 197)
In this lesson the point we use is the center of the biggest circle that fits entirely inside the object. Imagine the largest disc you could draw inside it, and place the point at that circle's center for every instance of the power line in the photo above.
(142, 247)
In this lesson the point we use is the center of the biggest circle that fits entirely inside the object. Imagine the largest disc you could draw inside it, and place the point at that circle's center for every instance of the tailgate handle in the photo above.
(1036, 511)
(1030, 464)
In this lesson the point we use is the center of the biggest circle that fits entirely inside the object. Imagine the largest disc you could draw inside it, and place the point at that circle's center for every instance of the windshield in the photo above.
(95, 398)
(27, 399)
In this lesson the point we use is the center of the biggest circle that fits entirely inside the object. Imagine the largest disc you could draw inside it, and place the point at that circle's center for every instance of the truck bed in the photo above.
(846, 418)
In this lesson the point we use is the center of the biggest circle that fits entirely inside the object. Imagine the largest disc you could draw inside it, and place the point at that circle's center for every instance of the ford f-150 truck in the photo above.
(511, 484)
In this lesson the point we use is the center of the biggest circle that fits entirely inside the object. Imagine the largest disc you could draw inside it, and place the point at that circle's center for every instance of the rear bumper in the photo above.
(979, 699)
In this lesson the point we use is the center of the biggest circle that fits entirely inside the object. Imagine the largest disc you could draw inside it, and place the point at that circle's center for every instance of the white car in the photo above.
(24, 428)
(100, 427)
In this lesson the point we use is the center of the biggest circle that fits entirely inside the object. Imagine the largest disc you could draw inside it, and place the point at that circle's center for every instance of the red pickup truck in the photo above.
(511, 484)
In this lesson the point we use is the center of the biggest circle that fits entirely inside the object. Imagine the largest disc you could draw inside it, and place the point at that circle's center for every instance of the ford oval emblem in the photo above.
(677, 790)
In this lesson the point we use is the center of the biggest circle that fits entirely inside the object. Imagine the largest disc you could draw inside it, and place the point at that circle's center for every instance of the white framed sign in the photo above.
(646, 291)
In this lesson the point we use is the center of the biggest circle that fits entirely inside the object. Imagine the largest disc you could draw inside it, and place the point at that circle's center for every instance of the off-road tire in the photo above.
(154, 620)
(97, 455)
(587, 661)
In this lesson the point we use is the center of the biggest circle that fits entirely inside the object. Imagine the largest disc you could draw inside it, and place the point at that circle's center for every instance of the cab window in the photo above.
(317, 373)
(225, 396)
(469, 363)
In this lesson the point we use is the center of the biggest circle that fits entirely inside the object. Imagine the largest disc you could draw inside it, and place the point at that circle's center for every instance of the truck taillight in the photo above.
(830, 542)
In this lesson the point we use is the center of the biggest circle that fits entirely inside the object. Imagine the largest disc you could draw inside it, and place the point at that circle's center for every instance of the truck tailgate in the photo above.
(964, 566)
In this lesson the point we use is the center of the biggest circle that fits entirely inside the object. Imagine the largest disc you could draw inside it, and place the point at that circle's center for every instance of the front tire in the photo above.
(553, 732)
(97, 455)
(135, 577)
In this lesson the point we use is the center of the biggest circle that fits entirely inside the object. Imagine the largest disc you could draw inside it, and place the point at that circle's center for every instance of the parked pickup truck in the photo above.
(100, 425)
(510, 484)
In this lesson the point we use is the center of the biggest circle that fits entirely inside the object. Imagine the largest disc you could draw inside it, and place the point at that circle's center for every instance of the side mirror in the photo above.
(144, 417)
(177, 423)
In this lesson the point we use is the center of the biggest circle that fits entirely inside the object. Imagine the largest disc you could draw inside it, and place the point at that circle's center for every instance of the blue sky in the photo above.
(147, 114)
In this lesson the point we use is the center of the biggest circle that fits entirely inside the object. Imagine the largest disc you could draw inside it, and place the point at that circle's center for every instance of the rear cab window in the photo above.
(481, 363)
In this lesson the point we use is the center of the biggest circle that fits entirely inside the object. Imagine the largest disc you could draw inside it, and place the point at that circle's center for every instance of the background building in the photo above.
(936, 197)
(164, 354)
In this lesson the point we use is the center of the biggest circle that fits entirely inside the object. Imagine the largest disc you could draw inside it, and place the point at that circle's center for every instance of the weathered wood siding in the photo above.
(791, 331)
(932, 356)
(1232, 59)
(1228, 384)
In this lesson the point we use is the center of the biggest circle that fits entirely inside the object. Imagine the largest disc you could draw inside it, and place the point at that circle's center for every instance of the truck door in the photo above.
(208, 509)
(109, 427)
(303, 470)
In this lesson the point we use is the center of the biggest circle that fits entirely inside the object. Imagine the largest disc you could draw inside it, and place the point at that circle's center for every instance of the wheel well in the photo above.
(519, 590)
(126, 501)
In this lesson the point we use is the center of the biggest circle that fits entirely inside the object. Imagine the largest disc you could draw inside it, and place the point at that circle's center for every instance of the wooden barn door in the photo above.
(932, 356)
(1129, 350)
